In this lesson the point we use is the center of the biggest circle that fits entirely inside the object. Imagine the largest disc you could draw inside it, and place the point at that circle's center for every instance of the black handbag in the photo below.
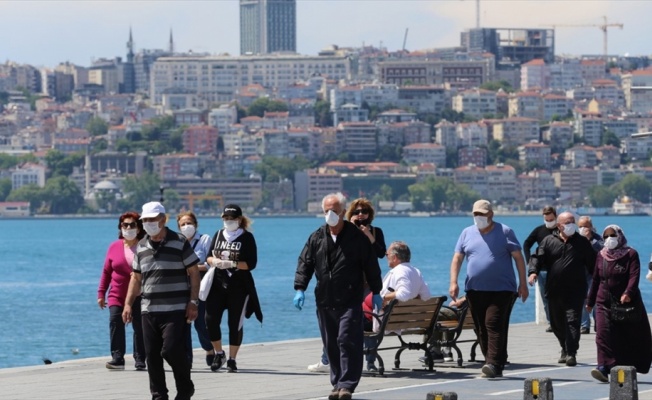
(620, 313)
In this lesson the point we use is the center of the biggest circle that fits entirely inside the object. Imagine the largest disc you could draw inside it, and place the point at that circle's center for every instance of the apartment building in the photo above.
(347, 94)
(515, 131)
(418, 153)
(637, 148)
(216, 79)
(535, 155)
(559, 135)
(621, 127)
(274, 143)
(475, 103)
(268, 26)
(472, 133)
(429, 99)
(574, 183)
(538, 185)
(28, 174)
(608, 156)
(171, 166)
(555, 106)
(200, 139)
(244, 191)
(589, 128)
(581, 156)
(535, 74)
(455, 74)
(474, 177)
(472, 155)
(446, 134)
(358, 140)
(403, 133)
(527, 104)
(592, 69)
(501, 182)
(637, 87)
(311, 185)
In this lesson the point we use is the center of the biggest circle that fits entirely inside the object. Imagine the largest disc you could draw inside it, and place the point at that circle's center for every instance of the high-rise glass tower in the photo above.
(268, 26)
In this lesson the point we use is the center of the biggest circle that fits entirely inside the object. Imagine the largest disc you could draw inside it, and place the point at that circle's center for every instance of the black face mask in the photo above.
(359, 222)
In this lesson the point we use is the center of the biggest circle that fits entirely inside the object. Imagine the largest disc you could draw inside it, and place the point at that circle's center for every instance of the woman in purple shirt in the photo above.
(115, 279)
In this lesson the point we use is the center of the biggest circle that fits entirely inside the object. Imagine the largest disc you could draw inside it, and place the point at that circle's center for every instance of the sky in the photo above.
(46, 32)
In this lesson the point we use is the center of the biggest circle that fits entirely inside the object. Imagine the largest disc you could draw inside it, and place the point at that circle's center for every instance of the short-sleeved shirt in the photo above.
(163, 268)
(489, 260)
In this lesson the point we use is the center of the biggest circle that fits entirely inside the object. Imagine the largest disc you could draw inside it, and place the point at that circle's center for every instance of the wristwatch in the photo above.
(195, 302)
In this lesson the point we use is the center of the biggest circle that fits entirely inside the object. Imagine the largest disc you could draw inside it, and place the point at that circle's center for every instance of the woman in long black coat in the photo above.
(616, 276)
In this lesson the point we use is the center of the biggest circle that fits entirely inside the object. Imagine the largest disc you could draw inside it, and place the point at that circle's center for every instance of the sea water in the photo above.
(50, 269)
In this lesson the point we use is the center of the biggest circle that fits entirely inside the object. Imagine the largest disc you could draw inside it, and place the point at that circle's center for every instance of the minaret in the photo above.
(130, 47)
(171, 48)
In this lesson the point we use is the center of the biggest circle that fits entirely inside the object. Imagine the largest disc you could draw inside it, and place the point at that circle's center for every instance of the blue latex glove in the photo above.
(299, 298)
(377, 301)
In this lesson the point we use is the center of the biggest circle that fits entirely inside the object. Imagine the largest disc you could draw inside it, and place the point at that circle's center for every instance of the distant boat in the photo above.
(419, 214)
(625, 205)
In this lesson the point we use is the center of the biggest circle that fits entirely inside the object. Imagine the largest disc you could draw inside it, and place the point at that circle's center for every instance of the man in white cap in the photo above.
(490, 285)
(163, 263)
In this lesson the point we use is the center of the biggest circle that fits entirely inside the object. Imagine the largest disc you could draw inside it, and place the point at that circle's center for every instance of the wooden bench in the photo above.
(447, 332)
(412, 317)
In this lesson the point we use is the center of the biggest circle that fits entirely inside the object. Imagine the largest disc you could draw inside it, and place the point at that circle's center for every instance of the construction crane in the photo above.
(604, 26)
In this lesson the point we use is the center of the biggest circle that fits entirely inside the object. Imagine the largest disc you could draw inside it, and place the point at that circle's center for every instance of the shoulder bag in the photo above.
(620, 313)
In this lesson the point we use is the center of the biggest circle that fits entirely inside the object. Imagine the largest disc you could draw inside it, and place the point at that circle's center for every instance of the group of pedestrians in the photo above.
(152, 276)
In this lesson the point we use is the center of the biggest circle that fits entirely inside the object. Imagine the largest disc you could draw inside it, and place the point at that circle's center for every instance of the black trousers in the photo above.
(491, 312)
(565, 319)
(342, 334)
(117, 333)
(165, 339)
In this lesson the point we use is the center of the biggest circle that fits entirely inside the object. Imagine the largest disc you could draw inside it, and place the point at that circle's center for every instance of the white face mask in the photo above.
(550, 224)
(129, 234)
(231, 225)
(152, 228)
(481, 222)
(331, 218)
(584, 231)
(570, 229)
(611, 243)
(188, 231)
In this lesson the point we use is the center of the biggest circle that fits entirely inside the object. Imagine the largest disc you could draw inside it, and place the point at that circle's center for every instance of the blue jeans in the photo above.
(541, 281)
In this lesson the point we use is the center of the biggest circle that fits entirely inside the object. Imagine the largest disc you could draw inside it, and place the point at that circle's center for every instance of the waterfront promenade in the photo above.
(277, 370)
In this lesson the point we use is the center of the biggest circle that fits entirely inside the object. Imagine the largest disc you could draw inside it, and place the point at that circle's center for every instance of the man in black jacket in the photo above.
(341, 257)
(568, 256)
(536, 236)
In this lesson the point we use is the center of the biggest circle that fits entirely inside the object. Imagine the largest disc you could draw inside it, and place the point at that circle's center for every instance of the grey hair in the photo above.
(401, 250)
(340, 199)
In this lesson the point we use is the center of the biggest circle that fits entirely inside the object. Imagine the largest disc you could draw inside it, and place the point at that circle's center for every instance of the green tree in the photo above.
(273, 169)
(96, 126)
(62, 195)
(7, 161)
(390, 153)
(5, 188)
(496, 85)
(602, 196)
(31, 193)
(610, 138)
(323, 115)
(635, 186)
(139, 190)
(60, 164)
(263, 104)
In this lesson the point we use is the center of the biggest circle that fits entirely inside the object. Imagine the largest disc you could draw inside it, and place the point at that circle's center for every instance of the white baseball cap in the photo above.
(152, 210)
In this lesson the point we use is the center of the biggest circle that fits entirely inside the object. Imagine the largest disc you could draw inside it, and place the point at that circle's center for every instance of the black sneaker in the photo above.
(491, 371)
(230, 365)
(218, 361)
(562, 358)
(600, 373)
(209, 359)
(585, 331)
(549, 329)
(571, 361)
(116, 364)
(141, 366)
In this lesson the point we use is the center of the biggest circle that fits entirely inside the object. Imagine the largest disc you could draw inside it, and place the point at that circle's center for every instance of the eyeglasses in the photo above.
(128, 224)
(360, 211)
(608, 236)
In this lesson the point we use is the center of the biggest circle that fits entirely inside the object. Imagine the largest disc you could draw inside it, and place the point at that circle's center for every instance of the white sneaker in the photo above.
(448, 354)
(319, 367)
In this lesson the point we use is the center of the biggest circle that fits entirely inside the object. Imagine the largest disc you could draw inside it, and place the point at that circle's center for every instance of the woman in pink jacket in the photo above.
(115, 279)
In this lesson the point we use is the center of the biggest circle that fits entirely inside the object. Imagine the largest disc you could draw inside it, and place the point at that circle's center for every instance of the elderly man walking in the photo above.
(341, 257)
(490, 284)
(165, 270)
(568, 256)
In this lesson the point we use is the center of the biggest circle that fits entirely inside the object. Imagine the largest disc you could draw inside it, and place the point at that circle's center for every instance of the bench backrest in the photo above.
(466, 323)
(416, 316)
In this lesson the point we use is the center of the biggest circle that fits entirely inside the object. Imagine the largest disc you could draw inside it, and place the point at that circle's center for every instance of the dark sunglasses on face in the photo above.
(607, 236)
(361, 211)
(128, 224)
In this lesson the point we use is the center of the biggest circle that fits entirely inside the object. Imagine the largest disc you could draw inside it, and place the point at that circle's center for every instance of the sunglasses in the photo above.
(361, 211)
(128, 224)
(608, 236)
